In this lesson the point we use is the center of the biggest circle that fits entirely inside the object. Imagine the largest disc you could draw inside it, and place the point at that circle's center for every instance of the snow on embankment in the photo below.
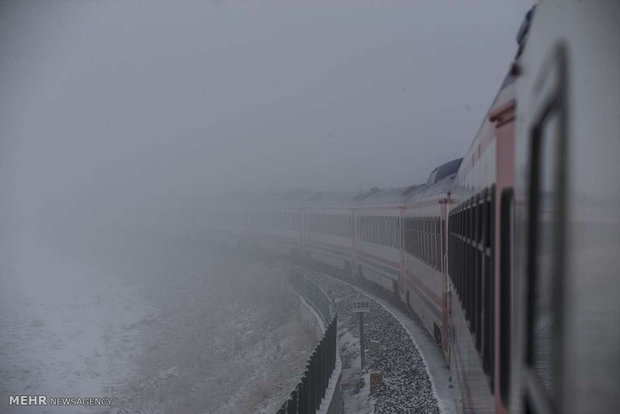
(157, 328)
(65, 330)
(228, 338)
(407, 387)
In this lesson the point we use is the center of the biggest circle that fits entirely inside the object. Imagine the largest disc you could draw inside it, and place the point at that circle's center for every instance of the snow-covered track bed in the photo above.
(406, 385)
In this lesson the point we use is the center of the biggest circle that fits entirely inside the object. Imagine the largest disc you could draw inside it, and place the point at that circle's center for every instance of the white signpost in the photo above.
(361, 307)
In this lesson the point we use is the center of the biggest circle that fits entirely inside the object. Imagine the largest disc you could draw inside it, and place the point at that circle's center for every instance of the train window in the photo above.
(429, 241)
(425, 237)
(421, 237)
(435, 245)
(441, 248)
(489, 296)
(410, 235)
(442, 236)
(348, 228)
(393, 231)
(505, 280)
(375, 230)
(396, 232)
(418, 241)
(363, 228)
(360, 228)
(349, 225)
(413, 235)
(384, 231)
(406, 233)
(371, 228)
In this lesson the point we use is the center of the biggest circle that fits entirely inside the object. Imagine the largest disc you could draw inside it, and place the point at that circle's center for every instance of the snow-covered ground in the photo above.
(174, 329)
(67, 330)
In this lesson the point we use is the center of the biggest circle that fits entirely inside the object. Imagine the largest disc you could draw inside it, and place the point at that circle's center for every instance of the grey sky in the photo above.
(126, 98)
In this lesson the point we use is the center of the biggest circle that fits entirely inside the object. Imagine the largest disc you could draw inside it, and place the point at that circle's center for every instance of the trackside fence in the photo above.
(307, 395)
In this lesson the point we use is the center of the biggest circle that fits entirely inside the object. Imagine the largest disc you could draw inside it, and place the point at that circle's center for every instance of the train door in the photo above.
(542, 373)
(503, 119)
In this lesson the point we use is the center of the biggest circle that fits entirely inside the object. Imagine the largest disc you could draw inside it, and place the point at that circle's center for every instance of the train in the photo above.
(508, 255)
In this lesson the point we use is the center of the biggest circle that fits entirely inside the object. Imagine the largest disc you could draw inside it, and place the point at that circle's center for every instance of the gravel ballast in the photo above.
(406, 385)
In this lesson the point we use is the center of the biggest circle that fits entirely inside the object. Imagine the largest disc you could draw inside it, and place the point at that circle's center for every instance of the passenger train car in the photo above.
(378, 246)
(328, 230)
(508, 256)
(424, 249)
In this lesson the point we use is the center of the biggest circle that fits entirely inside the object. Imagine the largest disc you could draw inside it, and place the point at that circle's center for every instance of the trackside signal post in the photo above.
(361, 307)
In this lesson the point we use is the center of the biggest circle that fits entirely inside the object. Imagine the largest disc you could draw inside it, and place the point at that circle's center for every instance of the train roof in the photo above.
(443, 171)
(388, 196)
(426, 191)
(332, 198)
